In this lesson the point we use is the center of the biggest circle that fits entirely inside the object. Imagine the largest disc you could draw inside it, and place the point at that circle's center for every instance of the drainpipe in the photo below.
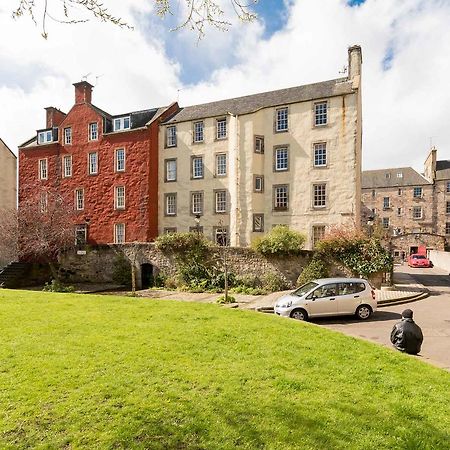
(234, 185)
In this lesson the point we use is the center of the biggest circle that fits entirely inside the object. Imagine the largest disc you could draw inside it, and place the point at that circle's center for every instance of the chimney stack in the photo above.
(354, 62)
(83, 92)
(54, 117)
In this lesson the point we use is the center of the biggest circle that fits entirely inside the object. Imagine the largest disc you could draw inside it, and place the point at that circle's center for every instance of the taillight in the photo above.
(373, 294)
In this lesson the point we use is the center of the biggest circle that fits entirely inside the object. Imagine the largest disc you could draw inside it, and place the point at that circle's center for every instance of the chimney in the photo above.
(83, 92)
(430, 165)
(354, 62)
(54, 117)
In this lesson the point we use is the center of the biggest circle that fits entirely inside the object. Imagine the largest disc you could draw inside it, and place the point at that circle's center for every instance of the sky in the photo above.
(406, 65)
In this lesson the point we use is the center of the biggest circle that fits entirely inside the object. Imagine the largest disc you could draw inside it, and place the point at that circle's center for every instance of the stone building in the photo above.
(414, 208)
(8, 178)
(107, 164)
(237, 167)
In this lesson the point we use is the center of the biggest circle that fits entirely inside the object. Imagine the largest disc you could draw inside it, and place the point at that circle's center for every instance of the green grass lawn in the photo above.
(86, 371)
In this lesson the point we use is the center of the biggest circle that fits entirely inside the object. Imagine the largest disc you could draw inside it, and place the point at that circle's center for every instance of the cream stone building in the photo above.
(8, 178)
(235, 168)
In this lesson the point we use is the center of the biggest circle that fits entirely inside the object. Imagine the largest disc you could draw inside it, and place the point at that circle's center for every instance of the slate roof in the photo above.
(389, 178)
(252, 103)
(443, 170)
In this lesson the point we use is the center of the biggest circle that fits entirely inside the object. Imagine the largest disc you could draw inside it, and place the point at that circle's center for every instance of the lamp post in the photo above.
(223, 239)
(197, 223)
(370, 225)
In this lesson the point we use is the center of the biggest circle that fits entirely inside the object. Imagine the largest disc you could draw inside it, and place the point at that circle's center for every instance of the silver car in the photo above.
(329, 297)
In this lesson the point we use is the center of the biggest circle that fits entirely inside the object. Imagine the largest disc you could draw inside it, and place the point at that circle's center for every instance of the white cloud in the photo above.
(403, 106)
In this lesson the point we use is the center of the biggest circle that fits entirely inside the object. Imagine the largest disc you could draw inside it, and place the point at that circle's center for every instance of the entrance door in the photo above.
(323, 301)
(146, 275)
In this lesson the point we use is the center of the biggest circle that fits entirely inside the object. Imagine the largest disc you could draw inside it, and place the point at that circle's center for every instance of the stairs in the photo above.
(13, 274)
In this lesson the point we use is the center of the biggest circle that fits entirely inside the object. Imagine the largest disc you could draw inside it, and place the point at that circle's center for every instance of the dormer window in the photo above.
(45, 136)
(122, 123)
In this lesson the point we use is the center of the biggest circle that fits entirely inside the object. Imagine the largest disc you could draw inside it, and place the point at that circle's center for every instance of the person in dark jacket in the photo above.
(406, 335)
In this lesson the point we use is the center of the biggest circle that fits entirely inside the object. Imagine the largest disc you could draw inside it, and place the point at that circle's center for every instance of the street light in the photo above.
(370, 225)
(223, 243)
(197, 223)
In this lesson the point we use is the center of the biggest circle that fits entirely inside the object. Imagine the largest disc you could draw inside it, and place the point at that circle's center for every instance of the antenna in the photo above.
(431, 141)
(84, 77)
(178, 94)
(96, 79)
(343, 70)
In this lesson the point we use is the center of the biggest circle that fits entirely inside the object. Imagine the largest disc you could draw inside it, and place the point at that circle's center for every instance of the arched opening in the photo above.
(146, 275)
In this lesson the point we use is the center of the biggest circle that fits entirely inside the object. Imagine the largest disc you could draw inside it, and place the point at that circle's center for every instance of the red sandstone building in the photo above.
(107, 164)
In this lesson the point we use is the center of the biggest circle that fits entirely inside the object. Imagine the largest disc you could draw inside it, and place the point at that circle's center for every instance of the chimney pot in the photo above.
(83, 92)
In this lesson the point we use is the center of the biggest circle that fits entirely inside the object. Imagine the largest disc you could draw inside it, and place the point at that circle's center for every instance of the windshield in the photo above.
(419, 257)
(302, 290)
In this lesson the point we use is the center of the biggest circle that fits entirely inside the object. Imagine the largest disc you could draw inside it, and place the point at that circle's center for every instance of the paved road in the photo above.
(432, 314)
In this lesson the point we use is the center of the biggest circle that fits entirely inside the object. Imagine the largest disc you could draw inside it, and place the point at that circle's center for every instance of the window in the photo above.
(120, 160)
(385, 222)
(171, 204)
(259, 183)
(80, 234)
(386, 202)
(119, 233)
(43, 169)
(258, 223)
(221, 201)
(197, 203)
(281, 159)
(319, 195)
(198, 131)
(259, 144)
(45, 136)
(387, 176)
(79, 199)
(417, 212)
(221, 236)
(67, 136)
(196, 229)
(399, 211)
(122, 123)
(221, 164)
(197, 166)
(281, 119)
(318, 233)
(67, 165)
(320, 154)
(448, 187)
(93, 163)
(171, 170)
(169, 230)
(400, 191)
(221, 131)
(93, 131)
(447, 209)
(281, 197)
(320, 113)
(399, 175)
(171, 136)
(447, 228)
(119, 197)
(43, 202)
(374, 193)
(417, 192)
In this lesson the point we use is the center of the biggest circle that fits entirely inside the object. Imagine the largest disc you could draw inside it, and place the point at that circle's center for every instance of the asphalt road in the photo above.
(432, 314)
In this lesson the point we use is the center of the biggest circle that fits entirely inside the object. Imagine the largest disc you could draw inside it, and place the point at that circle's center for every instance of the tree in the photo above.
(199, 13)
(9, 233)
(45, 227)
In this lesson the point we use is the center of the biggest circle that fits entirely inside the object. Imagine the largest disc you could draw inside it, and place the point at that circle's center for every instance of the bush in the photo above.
(273, 282)
(122, 271)
(222, 300)
(280, 241)
(315, 269)
(57, 286)
(248, 290)
(186, 245)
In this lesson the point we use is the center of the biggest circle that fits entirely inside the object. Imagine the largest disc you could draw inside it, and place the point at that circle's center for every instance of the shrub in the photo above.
(222, 300)
(185, 245)
(280, 241)
(122, 270)
(316, 268)
(247, 281)
(57, 286)
(273, 282)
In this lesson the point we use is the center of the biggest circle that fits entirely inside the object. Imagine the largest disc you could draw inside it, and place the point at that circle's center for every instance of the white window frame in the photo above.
(120, 162)
(447, 190)
(43, 169)
(221, 128)
(197, 203)
(281, 159)
(79, 199)
(67, 166)
(385, 222)
(199, 135)
(68, 136)
(320, 114)
(121, 123)
(220, 201)
(170, 204)
(318, 233)
(93, 131)
(386, 202)
(416, 190)
(44, 137)
(170, 173)
(259, 144)
(259, 179)
(171, 136)
(221, 232)
(319, 195)
(281, 119)
(93, 163)
(399, 211)
(277, 198)
(197, 170)
(81, 228)
(221, 164)
(119, 197)
(320, 154)
(119, 233)
(417, 212)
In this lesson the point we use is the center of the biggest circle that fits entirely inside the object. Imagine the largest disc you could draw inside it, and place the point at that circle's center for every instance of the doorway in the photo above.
(146, 275)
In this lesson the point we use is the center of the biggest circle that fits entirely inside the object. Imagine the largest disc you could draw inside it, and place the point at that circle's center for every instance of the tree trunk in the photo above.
(54, 271)
(133, 279)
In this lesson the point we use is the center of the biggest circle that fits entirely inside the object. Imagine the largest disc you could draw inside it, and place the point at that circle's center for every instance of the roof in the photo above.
(7, 148)
(390, 178)
(443, 170)
(252, 103)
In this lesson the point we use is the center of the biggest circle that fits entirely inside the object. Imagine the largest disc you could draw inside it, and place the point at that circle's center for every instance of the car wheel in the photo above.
(363, 312)
(299, 314)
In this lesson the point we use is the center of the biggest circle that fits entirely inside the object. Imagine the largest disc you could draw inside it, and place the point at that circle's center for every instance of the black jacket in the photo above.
(407, 336)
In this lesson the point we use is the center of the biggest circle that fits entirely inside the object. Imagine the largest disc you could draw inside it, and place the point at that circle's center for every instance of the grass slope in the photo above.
(113, 372)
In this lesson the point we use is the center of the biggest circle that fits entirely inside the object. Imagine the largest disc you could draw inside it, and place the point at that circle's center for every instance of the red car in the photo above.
(417, 260)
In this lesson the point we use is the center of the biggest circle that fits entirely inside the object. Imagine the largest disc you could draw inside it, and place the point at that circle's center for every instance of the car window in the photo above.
(419, 257)
(327, 290)
(350, 288)
(302, 290)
